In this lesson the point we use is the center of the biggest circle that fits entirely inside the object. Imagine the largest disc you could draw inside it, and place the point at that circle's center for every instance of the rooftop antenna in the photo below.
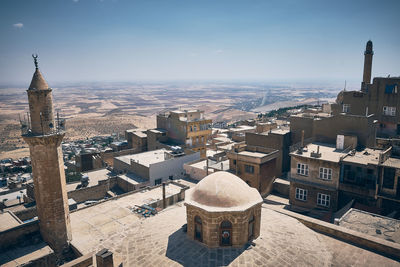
(35, 60)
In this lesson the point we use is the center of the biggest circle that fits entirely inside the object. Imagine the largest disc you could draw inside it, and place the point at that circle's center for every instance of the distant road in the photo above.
(285, 104)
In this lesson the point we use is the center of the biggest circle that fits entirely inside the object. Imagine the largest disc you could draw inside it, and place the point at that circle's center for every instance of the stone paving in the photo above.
(160, 241)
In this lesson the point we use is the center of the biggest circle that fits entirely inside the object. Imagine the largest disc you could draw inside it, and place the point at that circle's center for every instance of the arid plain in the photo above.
(106, 108)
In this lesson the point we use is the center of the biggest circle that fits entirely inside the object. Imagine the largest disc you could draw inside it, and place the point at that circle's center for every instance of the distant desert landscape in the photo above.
(104, 109)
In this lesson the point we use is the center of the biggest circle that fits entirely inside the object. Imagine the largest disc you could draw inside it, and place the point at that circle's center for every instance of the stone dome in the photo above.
(223, 191)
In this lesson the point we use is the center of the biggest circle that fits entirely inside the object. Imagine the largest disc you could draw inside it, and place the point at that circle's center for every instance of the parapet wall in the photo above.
(381, 246)
(19, 235)
(93, 192)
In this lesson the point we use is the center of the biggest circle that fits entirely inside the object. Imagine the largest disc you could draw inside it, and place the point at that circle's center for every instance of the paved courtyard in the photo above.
(160, 241)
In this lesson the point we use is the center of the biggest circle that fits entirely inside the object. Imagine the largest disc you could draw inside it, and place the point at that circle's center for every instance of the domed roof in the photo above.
(223, 191)
(38, 82)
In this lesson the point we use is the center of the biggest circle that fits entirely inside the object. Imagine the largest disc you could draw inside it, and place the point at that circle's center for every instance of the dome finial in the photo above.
(35, 60)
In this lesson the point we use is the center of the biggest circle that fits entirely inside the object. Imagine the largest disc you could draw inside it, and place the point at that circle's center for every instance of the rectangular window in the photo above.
(157, 181)
(391, 89)
(301, 194)
(323, 200)
(249, 168)
(388, 177)
(346, 108)
(389, 111)
(325, 173)
(302, 169)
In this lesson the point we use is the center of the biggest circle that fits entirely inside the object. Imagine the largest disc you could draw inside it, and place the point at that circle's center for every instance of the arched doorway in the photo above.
(198, 230)
(226, 233)
(251, 227)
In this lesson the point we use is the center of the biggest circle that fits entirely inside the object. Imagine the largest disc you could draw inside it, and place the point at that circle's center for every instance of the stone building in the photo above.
(188, 128)
(44, 139)
(362, 174)
(255, 165)
(314, 177)
(137, 140)
(156, 166)
(222, 210)
(278, 139)
(324, 127)
(381, 98)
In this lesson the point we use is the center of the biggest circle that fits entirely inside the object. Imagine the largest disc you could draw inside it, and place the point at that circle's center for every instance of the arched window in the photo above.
(198, 230)
(251, 227)
(226, 233)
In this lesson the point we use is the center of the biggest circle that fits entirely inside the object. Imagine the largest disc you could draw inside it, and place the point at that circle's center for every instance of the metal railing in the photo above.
(26, 126)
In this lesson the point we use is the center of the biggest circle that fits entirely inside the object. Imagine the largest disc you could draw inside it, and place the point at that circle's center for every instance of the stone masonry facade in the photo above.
(211, 222)
(50, 192)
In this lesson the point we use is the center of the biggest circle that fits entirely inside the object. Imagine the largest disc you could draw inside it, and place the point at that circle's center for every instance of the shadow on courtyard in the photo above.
(192, 253)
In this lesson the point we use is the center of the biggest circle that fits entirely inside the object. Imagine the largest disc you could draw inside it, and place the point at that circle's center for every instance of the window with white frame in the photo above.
(389, 111)
(323, 200)
(302, 169)
(346, 108)
(325, 173)
(301, 194)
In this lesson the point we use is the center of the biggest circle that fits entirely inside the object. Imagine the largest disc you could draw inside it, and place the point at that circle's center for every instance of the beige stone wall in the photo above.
(18, 234)
(41, 102)
(211, 222)
(50, 189)
(313, 171)
(94, 192)
(312, 195)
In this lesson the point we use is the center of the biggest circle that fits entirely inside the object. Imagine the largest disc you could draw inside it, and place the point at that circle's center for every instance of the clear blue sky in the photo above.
(116, 40)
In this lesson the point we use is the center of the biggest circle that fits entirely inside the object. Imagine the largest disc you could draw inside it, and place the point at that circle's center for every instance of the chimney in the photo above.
(302, 138)
(207, 166)
(163, 196)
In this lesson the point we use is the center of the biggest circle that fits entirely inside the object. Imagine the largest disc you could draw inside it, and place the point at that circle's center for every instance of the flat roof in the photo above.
(158, 130)
(392, 163)
(8, 221)
(364, 157)
(160, 241)
(94, 178)
(328, 152)
(103, 222)
(253, 154)
(217, 165)
(133, 178)
(372, 224)
(200, 164)
(145, 158)
(21, 256)
(276, 131)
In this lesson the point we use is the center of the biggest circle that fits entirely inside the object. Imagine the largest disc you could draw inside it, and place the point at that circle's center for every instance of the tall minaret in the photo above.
(44, 140)
(367, 65)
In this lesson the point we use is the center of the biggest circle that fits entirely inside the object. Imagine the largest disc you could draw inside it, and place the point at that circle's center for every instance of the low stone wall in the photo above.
(26, 214)
(382, 246)
(19, 235)
(83, 261)
(13, 190)
(93, 192)
(281, 187)
(125, 185)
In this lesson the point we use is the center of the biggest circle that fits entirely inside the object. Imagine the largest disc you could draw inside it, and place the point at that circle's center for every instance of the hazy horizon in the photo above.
(183, 40)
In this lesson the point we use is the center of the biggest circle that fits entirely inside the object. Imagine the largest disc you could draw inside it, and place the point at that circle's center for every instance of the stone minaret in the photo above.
(367, 65)
(44, 140)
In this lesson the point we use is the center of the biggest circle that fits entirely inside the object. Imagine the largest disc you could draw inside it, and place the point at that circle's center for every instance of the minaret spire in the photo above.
(367, 66)
(35, 60)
